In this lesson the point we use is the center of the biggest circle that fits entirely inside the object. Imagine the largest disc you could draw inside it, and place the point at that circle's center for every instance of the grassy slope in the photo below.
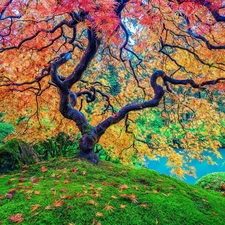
(74, 192)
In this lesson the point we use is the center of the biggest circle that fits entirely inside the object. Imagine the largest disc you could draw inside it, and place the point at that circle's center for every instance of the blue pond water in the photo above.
(202, 168)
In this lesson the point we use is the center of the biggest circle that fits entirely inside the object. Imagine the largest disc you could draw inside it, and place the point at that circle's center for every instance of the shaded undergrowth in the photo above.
(70, 191)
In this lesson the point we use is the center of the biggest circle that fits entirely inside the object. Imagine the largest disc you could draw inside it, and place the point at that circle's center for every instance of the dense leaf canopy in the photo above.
(94, 60)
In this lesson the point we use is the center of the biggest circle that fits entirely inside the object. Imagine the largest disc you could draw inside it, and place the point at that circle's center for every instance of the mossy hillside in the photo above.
(213, 181)
(71, 191)
(14, 154)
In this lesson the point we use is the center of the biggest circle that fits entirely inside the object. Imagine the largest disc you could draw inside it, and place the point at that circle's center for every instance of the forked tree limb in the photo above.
(158, 94)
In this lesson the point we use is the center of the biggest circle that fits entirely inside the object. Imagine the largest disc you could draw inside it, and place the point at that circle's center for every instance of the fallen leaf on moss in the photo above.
(92, 202)
(66, 196)
(136, 187)
(123, 187)
(49, 207)
(43, 169)
(58, 203)
(98, 214)
(122, 206)
(78, 194)
(113, 197)
(133, 198)
(144, 205)
(83, 173)
(73, 170)
(35, 180)
(123, 195)
(9, 196)
(17, 218)
(35, 207)
(95, 195)
(108, 207)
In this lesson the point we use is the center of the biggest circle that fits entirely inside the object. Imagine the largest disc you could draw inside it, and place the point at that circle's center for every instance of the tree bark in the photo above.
(87, 144)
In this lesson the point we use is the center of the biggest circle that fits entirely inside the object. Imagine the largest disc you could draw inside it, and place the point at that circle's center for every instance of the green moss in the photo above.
(148, 197)
(14, 154)
(212, 181)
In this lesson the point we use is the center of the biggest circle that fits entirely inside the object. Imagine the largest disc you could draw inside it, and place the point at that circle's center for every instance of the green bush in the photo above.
(212, 181)
(61, 145)
(5, 130)
(65, 146)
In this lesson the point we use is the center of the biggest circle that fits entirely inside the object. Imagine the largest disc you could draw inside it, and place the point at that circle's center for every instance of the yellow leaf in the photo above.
(108, 207)
(98, 214)
(48, 207)
(113, 197)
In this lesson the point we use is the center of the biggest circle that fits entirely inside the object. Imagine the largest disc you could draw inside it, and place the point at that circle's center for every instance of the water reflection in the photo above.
(202, 168)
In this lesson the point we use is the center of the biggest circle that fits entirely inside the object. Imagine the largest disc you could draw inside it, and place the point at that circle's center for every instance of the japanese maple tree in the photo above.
(97, 63)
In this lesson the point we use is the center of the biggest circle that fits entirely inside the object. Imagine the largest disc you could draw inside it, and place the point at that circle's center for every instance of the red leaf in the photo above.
(9, 196)
(17, 218)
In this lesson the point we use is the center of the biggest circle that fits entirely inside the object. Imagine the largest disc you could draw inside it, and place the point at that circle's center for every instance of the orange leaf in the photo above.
(123, 187)
(92, 202)
(66, 196)
(28, 197)
(34, 207)
(43, 169)
(123, 195)
(144, 205)
(58, 203)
